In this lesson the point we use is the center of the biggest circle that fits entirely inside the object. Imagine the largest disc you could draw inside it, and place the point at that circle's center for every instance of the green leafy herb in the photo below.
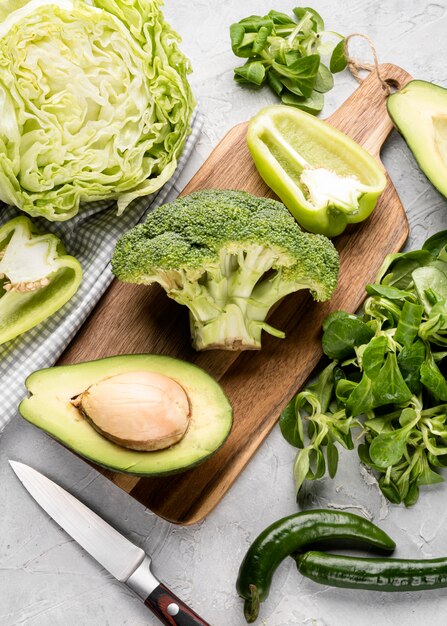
(343, 334)
(251, 73)
(325, 80)
(387, 377)
(311, 408)
(409, 322)
(285, 53)
(338, 58)
(388, 449)
(313, 104)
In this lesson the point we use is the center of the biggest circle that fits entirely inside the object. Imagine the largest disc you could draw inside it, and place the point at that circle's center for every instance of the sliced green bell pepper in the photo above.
(36, 277)
(324, 178)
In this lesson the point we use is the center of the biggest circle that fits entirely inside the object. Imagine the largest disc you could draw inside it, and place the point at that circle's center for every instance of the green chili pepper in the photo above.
(296, 533)
(324, 178)
(374, 574)
(36, 277)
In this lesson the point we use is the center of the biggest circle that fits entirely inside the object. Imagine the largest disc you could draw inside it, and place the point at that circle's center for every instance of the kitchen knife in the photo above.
(123, 559)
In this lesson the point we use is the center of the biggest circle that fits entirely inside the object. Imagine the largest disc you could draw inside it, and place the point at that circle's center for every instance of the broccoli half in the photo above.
(229, 257)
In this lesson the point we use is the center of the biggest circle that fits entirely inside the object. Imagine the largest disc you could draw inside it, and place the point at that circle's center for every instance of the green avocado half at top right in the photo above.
(419, 112)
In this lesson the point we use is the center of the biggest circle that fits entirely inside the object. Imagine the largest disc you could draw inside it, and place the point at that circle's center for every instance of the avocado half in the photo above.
(49, 407)
(419, 112)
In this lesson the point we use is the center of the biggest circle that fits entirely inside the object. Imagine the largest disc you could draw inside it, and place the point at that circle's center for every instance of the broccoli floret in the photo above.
(229, 257)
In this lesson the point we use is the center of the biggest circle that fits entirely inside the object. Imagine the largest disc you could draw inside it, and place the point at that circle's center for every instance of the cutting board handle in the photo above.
(363, 115)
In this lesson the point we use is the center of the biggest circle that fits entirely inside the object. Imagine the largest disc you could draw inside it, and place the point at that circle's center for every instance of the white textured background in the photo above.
(46, 579)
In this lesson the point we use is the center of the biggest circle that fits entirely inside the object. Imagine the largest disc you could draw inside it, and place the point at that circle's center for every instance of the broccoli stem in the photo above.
(229, 305)
(229, 302)
(229, 331)
(253, 264)
(238, 325)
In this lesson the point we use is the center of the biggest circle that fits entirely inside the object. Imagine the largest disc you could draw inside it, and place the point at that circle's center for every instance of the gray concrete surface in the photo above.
(47, 580)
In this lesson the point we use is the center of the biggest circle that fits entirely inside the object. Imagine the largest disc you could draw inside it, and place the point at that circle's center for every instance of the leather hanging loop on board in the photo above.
(355, 66)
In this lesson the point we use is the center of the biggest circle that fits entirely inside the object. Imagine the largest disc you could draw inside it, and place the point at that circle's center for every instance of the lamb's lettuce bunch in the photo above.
(94, 100)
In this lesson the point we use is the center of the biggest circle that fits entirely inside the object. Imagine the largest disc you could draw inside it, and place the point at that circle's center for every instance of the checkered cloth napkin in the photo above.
(90, 237)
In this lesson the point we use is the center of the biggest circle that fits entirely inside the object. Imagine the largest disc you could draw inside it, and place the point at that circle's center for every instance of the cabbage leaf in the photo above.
(95, 103)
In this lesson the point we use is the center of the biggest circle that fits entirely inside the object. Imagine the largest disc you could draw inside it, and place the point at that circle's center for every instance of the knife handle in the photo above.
(170, 610)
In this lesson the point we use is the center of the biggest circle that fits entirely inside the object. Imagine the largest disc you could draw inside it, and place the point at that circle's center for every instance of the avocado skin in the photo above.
(140, 474)
(50, 409)
(419, 113)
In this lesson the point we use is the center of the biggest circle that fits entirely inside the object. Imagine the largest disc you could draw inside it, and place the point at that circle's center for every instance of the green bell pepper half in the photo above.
(37, 277)
(324, 178)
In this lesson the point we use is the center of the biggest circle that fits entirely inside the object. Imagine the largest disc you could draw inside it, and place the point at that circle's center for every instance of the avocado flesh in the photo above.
(419, 112)
(49, 407)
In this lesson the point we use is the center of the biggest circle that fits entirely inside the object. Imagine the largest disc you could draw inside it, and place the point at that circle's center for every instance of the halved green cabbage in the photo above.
(94, 103)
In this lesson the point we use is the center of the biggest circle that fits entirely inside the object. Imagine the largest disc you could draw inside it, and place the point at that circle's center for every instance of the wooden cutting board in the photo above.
(134, 319)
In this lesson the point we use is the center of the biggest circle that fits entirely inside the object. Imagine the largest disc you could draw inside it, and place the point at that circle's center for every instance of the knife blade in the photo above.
(124, 560)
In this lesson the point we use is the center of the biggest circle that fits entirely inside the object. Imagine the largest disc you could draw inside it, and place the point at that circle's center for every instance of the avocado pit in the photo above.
(143, 410)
